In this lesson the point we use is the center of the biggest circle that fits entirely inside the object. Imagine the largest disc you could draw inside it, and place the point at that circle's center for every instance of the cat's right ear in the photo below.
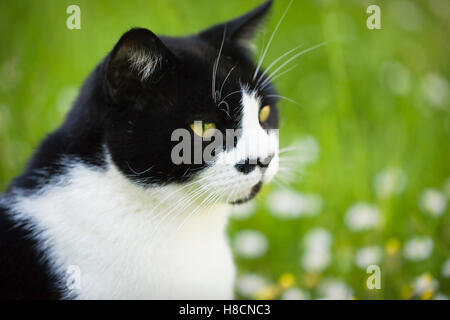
(139, 57)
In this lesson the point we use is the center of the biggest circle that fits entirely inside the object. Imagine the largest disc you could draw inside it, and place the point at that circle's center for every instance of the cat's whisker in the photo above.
(285, 98)
(227, 111)
(295, 56)
(224, 81)
(138, 173)
(163, 201)
(290, 148)
(197, 195)
(210, 204)
(271, 39)
(191, 196)
(272, 78)
(290, 174)
(185, 202)
(274, 62)
(208, 201)
(216, 65)
(282, 183)
(230, 94)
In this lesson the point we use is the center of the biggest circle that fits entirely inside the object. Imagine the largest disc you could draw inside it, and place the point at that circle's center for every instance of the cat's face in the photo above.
(161, 86)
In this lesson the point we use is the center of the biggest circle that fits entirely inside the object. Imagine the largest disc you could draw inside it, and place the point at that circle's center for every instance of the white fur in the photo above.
(156, 243)
(144, 62)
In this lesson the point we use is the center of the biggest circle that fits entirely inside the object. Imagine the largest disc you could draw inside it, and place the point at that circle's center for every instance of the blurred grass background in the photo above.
(368, 182)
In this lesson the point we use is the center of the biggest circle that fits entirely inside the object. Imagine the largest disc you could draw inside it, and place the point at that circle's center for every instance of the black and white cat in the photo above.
(102, 194)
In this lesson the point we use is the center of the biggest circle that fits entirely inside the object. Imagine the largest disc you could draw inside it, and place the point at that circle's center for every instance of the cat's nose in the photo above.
(250, 164)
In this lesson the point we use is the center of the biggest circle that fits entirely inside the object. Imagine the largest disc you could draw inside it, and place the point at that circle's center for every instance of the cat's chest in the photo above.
(193, 263)
(123, 249)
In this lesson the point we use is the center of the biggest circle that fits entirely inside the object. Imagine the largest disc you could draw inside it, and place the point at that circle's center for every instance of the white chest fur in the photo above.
(131, 243)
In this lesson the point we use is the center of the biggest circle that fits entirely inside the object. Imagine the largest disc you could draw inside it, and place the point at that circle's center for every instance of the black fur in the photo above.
(25, 274)
(133, 120)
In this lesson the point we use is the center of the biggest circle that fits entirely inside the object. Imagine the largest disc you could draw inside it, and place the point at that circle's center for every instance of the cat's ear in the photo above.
(240, 30)
(138, 57)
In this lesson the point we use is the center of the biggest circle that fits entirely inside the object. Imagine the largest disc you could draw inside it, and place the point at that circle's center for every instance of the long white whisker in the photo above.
(224, 81)
(274, 77)
(216, 65)
(188, 199)
(295, 56)
(183, 202)
(283, 97)
(163, 201)
(230, 94)
(274, 62)
(194, 212)
(270, 40)
(138, 173)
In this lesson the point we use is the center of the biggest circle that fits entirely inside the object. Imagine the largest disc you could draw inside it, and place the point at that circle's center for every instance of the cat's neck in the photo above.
(106, 192)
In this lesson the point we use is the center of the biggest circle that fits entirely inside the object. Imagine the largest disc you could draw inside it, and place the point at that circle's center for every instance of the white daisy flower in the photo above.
(250, 244)
(295, 294)
(435, 90)
(440, 296)
(423, 283)
(317, 254)
(289, 204)
(243, 211)
(390, 181)
(334, 290)
(418, 248)
(367, 256)
(362, 216)
(433, 202)
(445, 270)
(249, 284)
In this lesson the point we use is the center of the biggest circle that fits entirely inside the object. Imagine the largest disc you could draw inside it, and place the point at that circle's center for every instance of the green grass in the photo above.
(371, 99)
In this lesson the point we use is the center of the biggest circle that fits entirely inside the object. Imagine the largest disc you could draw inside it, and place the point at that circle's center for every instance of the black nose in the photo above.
(250, 164)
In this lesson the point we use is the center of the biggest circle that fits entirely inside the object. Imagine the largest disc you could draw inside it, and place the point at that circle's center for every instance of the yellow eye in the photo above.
(264, 113)
(204, 130)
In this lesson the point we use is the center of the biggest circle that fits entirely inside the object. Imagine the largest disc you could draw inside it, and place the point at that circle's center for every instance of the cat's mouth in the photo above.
(253, 192)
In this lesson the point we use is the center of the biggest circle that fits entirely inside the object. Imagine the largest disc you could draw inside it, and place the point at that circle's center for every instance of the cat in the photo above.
(103, 212)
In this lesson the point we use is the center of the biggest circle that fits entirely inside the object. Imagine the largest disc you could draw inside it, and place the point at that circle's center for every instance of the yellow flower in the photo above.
(287, 280)
(392, 246)
(427, 295)
(267, 292)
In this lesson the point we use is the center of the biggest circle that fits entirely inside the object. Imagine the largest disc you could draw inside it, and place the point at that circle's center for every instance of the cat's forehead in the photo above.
(197, 56)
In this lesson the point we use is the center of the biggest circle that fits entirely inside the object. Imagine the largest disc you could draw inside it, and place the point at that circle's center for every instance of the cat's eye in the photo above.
(264, 114)
(204, 130)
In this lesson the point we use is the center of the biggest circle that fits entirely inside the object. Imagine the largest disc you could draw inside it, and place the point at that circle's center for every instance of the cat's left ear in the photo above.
(138, 57)
(240, 30)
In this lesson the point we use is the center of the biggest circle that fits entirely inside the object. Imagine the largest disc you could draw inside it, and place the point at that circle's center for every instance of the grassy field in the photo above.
(368, 179)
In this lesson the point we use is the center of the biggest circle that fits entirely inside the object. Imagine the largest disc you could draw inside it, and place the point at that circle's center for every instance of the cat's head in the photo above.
(165, 92)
